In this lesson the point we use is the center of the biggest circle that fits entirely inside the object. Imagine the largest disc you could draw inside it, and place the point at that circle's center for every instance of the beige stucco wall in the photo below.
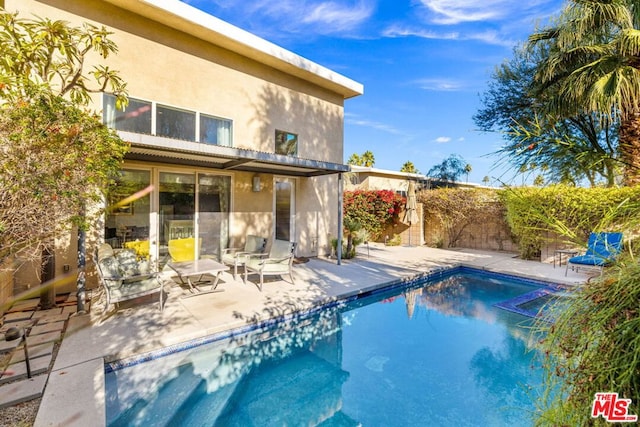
(167, 66)
(367, 181)
(163, 65)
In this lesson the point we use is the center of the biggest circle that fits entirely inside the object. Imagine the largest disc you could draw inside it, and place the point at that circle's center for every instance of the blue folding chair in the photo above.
(602, 250)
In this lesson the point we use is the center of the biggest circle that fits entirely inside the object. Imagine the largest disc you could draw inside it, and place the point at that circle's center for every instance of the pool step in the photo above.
(513, 305)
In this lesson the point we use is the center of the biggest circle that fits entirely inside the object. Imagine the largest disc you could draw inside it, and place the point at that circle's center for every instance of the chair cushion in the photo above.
(280, 249)
(254, 243)
(590, 260)
(140, 287)
(128, 263)
(110, 268)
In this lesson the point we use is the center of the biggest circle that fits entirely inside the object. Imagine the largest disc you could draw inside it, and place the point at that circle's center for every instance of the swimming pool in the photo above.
(432, 353)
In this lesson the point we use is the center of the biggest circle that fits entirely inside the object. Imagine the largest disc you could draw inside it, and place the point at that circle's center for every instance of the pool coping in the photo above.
(545, 287)
(91, 372)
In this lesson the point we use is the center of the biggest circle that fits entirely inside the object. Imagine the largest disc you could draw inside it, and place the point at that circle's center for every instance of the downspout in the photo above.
(340, 201)
(82, 263)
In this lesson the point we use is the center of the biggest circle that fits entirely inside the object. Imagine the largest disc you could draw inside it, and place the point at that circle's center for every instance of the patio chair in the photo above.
(238, 256)
(123, 277)
(278, 262)
(602, 250)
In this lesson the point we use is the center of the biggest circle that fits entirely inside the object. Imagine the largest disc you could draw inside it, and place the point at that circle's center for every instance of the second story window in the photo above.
(136, 116)
(175, 123)
(169, 122)
(214, 130)
(286, 143)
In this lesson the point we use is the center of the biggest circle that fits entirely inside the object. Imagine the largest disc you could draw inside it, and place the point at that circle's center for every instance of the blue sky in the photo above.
(424, 65)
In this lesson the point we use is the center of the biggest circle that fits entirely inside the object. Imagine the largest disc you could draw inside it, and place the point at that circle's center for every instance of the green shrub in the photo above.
(572, 212)
(594, 346)
(373, 210)
(395, 240)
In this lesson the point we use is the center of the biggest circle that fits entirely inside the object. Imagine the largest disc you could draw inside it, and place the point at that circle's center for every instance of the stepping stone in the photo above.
(52, 318)
(22, 391)
(18, 316)
(20, 324)
(34, 340)
(47, 327)
(34, 352)
(7, 346)
(19, 370)
(45, 313)
(70, 309)
(28, 304)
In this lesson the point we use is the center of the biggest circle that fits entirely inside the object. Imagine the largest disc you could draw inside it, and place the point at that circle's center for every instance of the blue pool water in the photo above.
(435, 354)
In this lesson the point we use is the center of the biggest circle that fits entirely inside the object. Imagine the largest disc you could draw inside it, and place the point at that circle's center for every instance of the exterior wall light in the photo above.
(255, 186)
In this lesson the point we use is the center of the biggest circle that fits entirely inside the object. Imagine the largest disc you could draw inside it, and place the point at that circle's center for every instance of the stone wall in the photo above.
(493, 235)
(6, 283)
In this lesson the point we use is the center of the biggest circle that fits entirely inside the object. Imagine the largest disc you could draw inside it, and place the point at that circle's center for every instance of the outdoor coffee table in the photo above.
(187, 269)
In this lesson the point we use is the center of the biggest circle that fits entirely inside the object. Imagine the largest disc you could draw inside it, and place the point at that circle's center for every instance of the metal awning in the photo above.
(167, 150)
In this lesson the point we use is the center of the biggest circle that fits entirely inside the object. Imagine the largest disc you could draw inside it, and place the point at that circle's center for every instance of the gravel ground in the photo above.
(21, 415)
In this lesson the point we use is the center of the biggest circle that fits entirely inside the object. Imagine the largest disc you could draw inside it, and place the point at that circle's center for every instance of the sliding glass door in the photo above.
(189, 204)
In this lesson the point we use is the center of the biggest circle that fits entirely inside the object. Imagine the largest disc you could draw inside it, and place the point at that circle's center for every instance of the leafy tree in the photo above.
(409, 167)
(592, 66)
(486, 180)
(55, 155)
(450, 169)
(564, 148)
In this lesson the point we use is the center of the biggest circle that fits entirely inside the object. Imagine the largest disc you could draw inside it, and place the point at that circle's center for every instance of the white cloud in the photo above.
(311, 16)
(353, 120)
(442, 139)
(489, 37)
(442, 85)
(448, 12)
(340, 17)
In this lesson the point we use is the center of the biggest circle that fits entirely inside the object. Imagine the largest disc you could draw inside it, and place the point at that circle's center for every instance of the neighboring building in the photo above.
(369, 178)
(233, 134)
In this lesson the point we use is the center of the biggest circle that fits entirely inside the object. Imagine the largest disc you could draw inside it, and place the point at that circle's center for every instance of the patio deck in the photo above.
(74, 394)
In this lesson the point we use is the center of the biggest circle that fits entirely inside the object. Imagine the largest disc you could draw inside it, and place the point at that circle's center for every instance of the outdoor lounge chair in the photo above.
(238, 256)
(277, 262)
(123, 277)
(602, 250)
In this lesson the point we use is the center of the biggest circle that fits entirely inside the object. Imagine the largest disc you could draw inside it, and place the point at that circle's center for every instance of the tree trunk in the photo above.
(629, 148)
(48, 291)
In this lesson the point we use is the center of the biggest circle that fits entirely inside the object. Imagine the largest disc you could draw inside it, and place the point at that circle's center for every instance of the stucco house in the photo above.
(231, 134)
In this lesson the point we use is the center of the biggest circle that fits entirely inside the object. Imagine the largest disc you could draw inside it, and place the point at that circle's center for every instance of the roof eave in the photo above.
(190, 20)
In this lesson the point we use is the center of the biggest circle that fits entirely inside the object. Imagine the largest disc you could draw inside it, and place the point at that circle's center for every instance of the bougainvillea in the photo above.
(373, 210)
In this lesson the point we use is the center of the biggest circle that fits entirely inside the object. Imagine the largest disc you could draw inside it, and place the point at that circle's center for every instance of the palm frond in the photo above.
(628, 43)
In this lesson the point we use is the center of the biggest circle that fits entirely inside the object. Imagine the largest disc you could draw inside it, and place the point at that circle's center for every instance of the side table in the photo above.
(560, 252)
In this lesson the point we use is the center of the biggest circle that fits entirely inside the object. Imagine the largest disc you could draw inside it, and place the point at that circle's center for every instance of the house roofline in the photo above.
(197, 23)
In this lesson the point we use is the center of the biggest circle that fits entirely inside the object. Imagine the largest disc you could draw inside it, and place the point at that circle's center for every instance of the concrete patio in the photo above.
(74, 394)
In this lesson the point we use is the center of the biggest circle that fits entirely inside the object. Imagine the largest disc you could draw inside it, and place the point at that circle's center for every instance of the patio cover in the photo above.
(160, 149)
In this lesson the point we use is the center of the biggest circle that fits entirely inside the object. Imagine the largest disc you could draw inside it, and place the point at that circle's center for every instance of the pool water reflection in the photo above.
(438, 353)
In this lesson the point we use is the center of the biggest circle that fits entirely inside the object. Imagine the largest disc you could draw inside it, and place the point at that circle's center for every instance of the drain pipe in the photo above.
(340, 201)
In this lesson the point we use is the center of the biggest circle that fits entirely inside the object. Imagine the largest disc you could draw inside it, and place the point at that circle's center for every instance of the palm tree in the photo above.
(409, 167)
(467, 170)
(368, 159)
(593, 66)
